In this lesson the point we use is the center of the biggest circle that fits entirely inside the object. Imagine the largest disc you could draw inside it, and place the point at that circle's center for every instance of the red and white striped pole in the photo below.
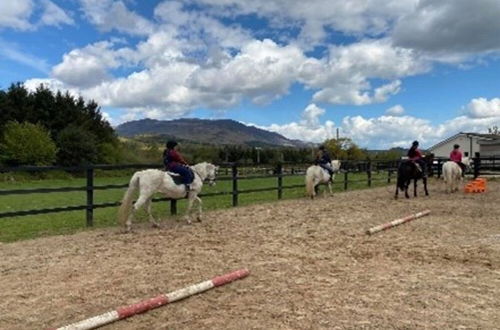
(146, 305)
(396, 222)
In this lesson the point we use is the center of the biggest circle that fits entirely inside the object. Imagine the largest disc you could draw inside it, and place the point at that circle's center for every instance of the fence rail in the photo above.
(234, 173)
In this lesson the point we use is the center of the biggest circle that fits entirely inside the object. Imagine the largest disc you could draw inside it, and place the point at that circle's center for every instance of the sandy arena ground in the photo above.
(312, 267)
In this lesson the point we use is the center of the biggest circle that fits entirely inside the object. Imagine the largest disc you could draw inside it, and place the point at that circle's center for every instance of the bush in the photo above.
(27, 144)
(76, 147)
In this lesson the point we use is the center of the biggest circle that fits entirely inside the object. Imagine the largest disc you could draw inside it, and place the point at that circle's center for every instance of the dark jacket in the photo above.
(171, 159)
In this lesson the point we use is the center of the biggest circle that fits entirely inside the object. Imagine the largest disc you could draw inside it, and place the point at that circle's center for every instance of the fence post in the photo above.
(90, 195)
(345, 179)
(235, 184)
(369, 172)
(477, 164)
(279, 171)
(173, 206)
(389, 172)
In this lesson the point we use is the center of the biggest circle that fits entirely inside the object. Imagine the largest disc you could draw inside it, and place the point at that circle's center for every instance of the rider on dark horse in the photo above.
(174, 162)
(456, 156)
(324, 160)
(416, 156)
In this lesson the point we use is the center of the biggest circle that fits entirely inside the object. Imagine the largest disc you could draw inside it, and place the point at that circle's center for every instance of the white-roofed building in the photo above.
(469, 143)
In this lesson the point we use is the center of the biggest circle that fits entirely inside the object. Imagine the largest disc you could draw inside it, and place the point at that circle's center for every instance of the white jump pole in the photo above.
(396, 222)
(146, 305)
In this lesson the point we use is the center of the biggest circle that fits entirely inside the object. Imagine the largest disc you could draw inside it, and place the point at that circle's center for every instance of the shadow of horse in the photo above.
(408, 171)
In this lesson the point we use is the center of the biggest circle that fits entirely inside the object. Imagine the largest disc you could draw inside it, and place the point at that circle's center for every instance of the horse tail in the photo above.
(126, 204)
(310, 183)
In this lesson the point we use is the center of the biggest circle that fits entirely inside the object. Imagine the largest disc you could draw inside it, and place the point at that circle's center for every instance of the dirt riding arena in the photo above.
(312, 267)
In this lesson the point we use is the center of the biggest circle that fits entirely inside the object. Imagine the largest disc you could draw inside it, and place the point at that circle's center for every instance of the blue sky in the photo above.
(385, 72)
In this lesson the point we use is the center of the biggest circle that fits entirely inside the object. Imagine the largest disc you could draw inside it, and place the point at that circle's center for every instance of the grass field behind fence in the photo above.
(26, 227)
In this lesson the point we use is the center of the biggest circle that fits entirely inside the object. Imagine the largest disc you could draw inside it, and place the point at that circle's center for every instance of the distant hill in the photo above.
(218, 132)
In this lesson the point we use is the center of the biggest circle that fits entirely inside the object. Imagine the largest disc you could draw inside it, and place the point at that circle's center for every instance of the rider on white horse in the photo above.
(324, 160)
(456, 156)
(174, 162)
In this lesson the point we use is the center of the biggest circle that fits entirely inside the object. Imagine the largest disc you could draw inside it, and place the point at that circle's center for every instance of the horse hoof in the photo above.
(199, 219)
(155, 225)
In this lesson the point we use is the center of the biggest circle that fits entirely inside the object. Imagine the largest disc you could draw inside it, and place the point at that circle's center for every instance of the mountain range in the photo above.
(218, 132)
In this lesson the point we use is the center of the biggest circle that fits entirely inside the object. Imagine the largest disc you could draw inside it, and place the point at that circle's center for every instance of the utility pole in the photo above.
(338, 135)
(258, 149)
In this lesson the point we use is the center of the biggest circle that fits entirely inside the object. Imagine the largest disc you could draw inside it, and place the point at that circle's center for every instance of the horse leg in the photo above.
(415, 187)
(424, 180)
(189, 207)
(330, 188)
(198, 199)
(407, 185)
(150, 215)
(137, 205)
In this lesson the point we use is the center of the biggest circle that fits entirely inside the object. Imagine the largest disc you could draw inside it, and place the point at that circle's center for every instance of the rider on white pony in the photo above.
(324, 160)
(174, 162)
(456, 156)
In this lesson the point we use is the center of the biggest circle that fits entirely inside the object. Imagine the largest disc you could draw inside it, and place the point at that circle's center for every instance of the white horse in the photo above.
(151, 181)
(315, 175)
(452, 174)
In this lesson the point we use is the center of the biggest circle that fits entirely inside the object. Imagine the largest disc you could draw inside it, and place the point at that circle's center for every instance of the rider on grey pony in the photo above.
(324, 160)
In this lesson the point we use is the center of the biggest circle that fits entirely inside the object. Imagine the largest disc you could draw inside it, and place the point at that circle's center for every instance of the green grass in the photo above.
(27, 227)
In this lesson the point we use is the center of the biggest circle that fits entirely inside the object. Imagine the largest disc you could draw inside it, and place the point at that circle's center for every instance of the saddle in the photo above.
(176, 177)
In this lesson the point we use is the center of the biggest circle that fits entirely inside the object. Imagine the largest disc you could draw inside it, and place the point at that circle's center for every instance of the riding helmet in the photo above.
(171, 144)
(415, 143)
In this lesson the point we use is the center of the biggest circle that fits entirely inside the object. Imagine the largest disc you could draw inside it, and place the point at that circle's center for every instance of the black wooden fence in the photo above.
(233, 172)
(479, 166)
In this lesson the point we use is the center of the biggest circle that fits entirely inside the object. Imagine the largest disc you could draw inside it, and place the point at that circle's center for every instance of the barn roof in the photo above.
(481, 136)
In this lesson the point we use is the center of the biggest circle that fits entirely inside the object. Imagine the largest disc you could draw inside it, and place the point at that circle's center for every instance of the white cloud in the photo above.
(110, 15)
(308, 129)
(54, 15)
(262, 71)
(16, 14)
(88, 66)
(483, 108)
(366, 17)
(390, 130)
(396, 110)
(345, 78)
(19, 14)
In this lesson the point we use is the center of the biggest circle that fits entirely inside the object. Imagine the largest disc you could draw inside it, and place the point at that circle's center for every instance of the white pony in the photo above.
(452, 174)
(315, 175)
(151, 181)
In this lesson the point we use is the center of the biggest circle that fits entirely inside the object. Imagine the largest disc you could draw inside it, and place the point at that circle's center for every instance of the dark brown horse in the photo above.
(408, 170)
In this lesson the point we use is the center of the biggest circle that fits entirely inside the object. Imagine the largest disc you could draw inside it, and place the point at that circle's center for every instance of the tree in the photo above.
(344, 148)
(77, 146)
(494, 130)
(56, 112)
(27, 144)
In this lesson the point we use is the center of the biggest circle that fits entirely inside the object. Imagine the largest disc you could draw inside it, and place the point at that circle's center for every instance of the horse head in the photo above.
(335, 165)
(466, 161)
(206, 171)
(211, 173)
